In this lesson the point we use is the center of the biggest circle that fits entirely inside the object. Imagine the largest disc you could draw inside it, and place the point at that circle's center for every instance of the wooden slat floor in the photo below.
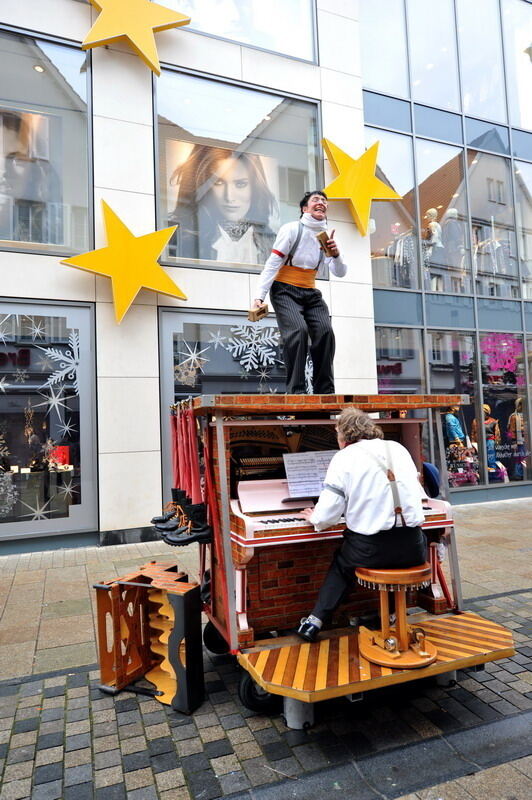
(333, 667)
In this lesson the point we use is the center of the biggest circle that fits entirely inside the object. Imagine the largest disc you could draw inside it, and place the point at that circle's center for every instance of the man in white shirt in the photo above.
(374, 485)
(290, 276)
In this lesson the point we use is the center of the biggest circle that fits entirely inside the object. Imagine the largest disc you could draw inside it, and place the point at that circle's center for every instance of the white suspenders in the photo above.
(388, 471)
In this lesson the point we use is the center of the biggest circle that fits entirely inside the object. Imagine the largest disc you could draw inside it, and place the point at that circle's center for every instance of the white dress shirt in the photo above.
(358, 489)
(306, 256)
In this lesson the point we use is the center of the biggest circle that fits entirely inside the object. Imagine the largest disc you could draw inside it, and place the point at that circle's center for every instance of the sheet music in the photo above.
(306, 472)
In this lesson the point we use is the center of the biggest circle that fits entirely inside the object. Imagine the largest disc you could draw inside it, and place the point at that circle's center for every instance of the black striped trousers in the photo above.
(302, 313)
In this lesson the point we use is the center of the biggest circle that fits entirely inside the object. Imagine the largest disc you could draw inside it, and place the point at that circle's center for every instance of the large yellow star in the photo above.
(130, 261)
(136, 21)
(357, 182)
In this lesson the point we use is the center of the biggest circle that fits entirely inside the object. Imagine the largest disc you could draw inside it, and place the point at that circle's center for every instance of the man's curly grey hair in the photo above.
(354, 425)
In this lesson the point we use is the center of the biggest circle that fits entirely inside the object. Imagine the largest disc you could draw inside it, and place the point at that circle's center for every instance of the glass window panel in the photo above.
(404, 310)
(433, 59)
(394, 243)
(479, 38)
(387, 111)
(505, 410)
(450, 311)
(528, 316)
(443, 209)
(522, 144)
(492, 219)
(46, 420)
(523, 210)
(255, 23)
(487, 136)
(438, 124)
(43, 146)
(499, 315)
(517, 28)
(399, 361)
(229, 178)
(452, 370)
(382, 46)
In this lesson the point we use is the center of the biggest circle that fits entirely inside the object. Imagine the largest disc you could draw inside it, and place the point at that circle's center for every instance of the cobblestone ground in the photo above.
(60, 737)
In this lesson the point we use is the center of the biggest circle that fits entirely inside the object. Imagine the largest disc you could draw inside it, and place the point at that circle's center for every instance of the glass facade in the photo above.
(230, 178)
(44, 147)
(466, 209)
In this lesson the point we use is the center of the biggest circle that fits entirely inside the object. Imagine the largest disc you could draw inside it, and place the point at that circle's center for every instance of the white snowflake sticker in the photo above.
(253, 346)
(67, 360)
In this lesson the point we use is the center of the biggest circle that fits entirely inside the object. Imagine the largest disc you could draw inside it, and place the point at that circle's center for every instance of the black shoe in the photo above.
(172, 525)
(163, 517)
(307, 630)
(202, 536)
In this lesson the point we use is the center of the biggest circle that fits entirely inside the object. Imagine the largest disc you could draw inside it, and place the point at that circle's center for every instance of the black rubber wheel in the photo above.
(214, 641)
(255, 698)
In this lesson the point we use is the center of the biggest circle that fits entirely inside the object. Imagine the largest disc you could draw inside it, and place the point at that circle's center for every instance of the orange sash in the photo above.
(297, 276)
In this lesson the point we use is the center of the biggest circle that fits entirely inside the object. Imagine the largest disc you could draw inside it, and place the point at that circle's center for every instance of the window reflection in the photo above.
(492, 219)
(43, 145)
(442, 198)
(517, 28)
(452, 370)
(523, 210)
(229, 179)
(382, 47)
(504, 411)
(481, 59)
(394, 245)
(433, 53)
(399, 361)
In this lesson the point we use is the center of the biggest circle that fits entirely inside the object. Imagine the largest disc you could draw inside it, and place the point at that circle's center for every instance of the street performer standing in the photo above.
(290, 276)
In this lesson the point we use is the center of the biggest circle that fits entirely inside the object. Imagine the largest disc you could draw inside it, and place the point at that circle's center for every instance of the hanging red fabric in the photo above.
(195, 483)
(183, 452)
(175, 451)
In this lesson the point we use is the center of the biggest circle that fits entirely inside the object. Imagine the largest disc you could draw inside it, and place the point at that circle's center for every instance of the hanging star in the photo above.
(4, 385)
(193, 356)
(356, 182)
(130, 261)
(136, 21)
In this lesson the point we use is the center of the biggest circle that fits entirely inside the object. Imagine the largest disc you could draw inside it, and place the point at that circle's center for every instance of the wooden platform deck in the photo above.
(332, 666)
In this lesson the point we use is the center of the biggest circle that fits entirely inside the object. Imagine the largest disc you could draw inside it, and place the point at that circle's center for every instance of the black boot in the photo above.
(167, 515)
(199, 531)
(202, 536)
(179, 496)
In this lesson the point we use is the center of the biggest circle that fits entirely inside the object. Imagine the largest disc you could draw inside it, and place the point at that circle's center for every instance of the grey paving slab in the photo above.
(496, 742)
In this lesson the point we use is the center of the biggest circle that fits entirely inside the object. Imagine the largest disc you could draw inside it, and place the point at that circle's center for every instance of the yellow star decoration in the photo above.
(136, 21)
(356, 182)
(130, 261)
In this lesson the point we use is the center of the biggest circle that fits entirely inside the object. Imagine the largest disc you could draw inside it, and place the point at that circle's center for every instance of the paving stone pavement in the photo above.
(60, 737)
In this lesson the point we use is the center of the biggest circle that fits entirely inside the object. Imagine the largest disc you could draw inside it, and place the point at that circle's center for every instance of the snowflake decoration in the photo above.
(253, 346)
(8, 494)
(3, 332)
(44, 363)
(37, 329)
(243, 375)
(502, 351)
(192, 358)
(309, 374)
(68, 361)
(4, 385)
(4, 449)
(21, 376)
(66, 428)
(40, 510)
(217, 339)
(67, 489)
(54, 400)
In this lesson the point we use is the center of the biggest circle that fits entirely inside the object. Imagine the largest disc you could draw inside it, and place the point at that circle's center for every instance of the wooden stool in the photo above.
(400, 646)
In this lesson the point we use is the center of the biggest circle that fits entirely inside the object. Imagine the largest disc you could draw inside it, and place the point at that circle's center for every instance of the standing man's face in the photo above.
(316, 207)
(231, 191)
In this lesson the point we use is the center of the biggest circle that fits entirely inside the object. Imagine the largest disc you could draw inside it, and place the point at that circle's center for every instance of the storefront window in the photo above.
(517, 27)
(492, 218)
(433, 58)
(479, 38)
(46, 420)
(452, 369)
(43, 146)
(443, 223)
(382, 46)
(523, 193)
(394, 243)
(505, 410)
(399, 361)
(233, 166)
(255, 23)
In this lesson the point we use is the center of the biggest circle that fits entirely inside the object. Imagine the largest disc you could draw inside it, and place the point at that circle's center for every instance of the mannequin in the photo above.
(453, 238)
(516, 433)
(492, 433)
(453, 428)
(434, 234)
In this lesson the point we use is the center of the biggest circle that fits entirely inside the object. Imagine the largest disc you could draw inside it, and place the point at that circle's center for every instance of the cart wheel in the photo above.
(214, 641)
(255, 697)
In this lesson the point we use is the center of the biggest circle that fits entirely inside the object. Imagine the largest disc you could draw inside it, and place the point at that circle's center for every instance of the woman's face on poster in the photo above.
(231, 191)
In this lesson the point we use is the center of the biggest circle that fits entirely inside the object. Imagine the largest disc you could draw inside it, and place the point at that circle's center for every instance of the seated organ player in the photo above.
(374, 485)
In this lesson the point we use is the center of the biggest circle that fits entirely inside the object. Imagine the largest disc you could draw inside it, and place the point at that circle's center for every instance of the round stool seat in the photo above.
(409, 577)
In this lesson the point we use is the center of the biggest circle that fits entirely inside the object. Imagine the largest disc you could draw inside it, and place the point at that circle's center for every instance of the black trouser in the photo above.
(302, 313)
(392, 549)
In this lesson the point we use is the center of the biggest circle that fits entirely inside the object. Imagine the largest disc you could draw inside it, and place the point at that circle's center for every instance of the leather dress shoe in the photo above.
(307, 630)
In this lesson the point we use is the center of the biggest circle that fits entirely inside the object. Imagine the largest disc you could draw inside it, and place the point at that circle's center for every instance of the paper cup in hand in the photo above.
(323, 237)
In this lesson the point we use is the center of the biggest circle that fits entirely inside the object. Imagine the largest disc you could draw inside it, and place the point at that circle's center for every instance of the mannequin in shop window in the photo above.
(223, 208)
(453, 233)
(492, 433)
(432, 249)
(516, 434)
(453, 428)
